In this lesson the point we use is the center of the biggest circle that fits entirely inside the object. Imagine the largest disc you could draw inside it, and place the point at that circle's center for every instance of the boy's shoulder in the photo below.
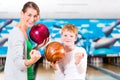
(80, 49)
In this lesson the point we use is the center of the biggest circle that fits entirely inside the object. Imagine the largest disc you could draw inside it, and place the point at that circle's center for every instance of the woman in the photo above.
(20, 55)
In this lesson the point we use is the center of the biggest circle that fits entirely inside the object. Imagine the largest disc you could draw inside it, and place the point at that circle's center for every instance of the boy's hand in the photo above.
(78, 57)
(54, 65)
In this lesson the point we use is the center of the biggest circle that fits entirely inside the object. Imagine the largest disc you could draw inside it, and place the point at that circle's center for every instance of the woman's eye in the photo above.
(35, 16)
(29, 15)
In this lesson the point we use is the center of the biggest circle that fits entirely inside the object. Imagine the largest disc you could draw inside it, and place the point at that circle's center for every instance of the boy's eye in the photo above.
(71, 36)
(65, 35)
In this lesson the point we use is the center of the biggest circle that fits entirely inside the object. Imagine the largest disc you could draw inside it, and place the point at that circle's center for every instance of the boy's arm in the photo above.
(78, 57)
(81, 60)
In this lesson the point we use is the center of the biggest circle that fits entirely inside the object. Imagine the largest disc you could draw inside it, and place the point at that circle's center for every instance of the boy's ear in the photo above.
(76, 39)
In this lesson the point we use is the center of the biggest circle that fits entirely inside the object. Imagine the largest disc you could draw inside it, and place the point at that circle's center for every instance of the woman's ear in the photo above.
(21, 13)
(38, 18)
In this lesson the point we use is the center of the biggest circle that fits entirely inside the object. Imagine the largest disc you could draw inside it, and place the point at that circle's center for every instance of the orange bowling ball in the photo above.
(54, 51)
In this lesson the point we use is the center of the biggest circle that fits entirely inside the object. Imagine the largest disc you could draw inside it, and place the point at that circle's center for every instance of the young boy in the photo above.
(73, 66)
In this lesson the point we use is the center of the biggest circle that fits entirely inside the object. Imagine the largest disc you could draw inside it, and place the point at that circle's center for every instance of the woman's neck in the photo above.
(23, 28)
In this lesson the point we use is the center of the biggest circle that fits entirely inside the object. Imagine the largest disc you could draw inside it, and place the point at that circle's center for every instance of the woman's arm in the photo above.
(35, 56)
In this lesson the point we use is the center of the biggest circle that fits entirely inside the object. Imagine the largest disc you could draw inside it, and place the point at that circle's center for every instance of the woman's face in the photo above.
(68, 38)
(30, 17)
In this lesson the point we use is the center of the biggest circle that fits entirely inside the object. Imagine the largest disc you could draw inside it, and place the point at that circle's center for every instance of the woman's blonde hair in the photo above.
(70, 28)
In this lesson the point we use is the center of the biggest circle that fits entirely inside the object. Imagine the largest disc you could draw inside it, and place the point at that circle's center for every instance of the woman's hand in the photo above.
(78, 57)
(35, 56)
(42, 44)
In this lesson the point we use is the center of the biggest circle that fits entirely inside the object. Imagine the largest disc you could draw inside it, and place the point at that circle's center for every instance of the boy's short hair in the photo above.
(70, 28)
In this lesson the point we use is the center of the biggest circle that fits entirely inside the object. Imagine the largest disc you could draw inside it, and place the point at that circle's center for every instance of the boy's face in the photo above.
(68, 38)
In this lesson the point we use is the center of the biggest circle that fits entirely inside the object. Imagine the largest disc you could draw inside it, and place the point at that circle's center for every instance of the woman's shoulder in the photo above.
(15, 30)
(16, 33)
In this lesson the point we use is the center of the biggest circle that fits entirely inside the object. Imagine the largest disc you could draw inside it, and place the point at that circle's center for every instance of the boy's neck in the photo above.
(69, 48)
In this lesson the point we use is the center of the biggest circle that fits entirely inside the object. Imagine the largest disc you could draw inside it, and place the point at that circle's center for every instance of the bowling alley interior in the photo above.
(98, 23)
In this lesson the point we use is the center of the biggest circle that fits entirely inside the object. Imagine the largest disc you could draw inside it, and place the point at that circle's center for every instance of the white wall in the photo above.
(64, 8)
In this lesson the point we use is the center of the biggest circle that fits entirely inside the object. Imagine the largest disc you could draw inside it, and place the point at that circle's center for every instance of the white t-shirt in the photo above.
(68, 70)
